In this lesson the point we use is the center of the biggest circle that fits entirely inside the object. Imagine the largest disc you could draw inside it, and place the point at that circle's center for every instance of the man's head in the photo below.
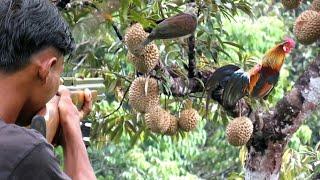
(33, 40)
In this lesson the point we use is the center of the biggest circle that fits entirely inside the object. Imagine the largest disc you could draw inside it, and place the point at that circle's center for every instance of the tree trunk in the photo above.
(264, 166)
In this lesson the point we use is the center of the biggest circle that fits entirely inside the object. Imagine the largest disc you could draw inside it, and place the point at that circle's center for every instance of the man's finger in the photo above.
(88, 96)
(87, 104)
(54, 100)
(63, 91)
(53, 103)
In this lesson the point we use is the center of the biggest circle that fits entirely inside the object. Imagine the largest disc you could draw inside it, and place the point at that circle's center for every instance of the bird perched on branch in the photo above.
(229, 83)
(177, 26)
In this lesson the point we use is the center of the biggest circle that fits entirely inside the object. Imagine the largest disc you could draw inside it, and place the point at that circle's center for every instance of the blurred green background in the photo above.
(229, 31)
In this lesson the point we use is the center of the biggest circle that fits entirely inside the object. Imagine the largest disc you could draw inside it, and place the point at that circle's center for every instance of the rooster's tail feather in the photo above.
(236, 88)
(218, 81)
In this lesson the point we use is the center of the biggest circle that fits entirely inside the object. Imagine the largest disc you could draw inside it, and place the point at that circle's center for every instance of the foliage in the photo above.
(301, 159)
(161, 158)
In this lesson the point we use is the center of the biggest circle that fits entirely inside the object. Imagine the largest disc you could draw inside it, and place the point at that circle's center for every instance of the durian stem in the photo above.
(146, 85)
(188, 104)
(240, 109)
(117, 31)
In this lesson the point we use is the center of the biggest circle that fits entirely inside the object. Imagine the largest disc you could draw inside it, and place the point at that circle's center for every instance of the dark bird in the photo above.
(173, 27)
(177, 26)
(229, 83)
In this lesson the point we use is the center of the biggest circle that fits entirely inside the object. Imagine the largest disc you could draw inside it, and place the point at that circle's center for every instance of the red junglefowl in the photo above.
(229, 83)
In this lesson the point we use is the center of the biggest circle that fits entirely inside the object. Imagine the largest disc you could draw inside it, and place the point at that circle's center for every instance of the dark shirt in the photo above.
(25, 154)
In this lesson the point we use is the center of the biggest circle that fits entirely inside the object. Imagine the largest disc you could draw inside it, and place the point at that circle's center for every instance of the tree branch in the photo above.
(62, 4)
(191, 57)
(120, 105)
(117, 31)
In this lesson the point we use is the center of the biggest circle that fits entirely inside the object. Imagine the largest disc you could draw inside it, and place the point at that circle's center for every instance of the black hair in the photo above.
(28, 26)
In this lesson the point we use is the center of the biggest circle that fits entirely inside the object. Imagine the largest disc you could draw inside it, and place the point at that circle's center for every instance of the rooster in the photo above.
(229, 83)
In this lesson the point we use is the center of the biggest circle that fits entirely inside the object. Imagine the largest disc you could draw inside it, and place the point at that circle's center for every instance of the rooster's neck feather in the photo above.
(274, 58)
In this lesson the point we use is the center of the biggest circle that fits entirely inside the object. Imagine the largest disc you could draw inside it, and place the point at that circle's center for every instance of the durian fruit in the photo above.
(173, 127)
(239, 131)
(143, 95)
(134, 36)
(315, 6)
(158, 120)
(307, 27)
(188, 119)
(146, 61)
(291, 4)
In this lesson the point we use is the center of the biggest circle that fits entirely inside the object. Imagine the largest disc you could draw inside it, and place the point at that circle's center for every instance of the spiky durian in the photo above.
(134, 36)
(141, 98)
(307, 27)
(173, 127)
(291, 4)
(188, 119)
(239, 131)
(145, 62)
(158, 120)
(315, 6)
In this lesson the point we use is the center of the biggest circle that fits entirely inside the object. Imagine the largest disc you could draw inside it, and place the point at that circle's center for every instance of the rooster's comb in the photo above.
(290, 41)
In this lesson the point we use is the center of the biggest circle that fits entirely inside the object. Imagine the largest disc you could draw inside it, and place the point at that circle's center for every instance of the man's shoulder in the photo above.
(11, 134)
(16, 143)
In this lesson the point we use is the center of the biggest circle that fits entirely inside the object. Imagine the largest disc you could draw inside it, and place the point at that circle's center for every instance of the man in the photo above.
(33, 41)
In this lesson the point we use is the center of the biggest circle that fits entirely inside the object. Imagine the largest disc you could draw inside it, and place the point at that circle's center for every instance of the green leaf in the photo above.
(124, 10)
(234, 44)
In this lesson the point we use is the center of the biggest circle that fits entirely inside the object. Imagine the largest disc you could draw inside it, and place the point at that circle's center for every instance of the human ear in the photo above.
(45, 68)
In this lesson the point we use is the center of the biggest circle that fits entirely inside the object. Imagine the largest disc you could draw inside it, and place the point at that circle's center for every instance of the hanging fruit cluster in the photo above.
(291, 4)
(315, 6)
(307, 25)
(147, 58)
(144, 94)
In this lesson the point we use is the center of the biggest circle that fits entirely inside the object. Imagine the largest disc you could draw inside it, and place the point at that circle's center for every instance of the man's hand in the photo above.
(68, 111)
(51, 115)
(76, 160)
(60, 110)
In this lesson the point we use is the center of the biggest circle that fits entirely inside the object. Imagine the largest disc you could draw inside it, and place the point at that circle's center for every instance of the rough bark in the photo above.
(191, 56)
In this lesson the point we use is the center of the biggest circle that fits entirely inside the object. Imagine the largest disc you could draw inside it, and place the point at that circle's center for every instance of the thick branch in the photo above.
(191, 57)
(181, 85)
